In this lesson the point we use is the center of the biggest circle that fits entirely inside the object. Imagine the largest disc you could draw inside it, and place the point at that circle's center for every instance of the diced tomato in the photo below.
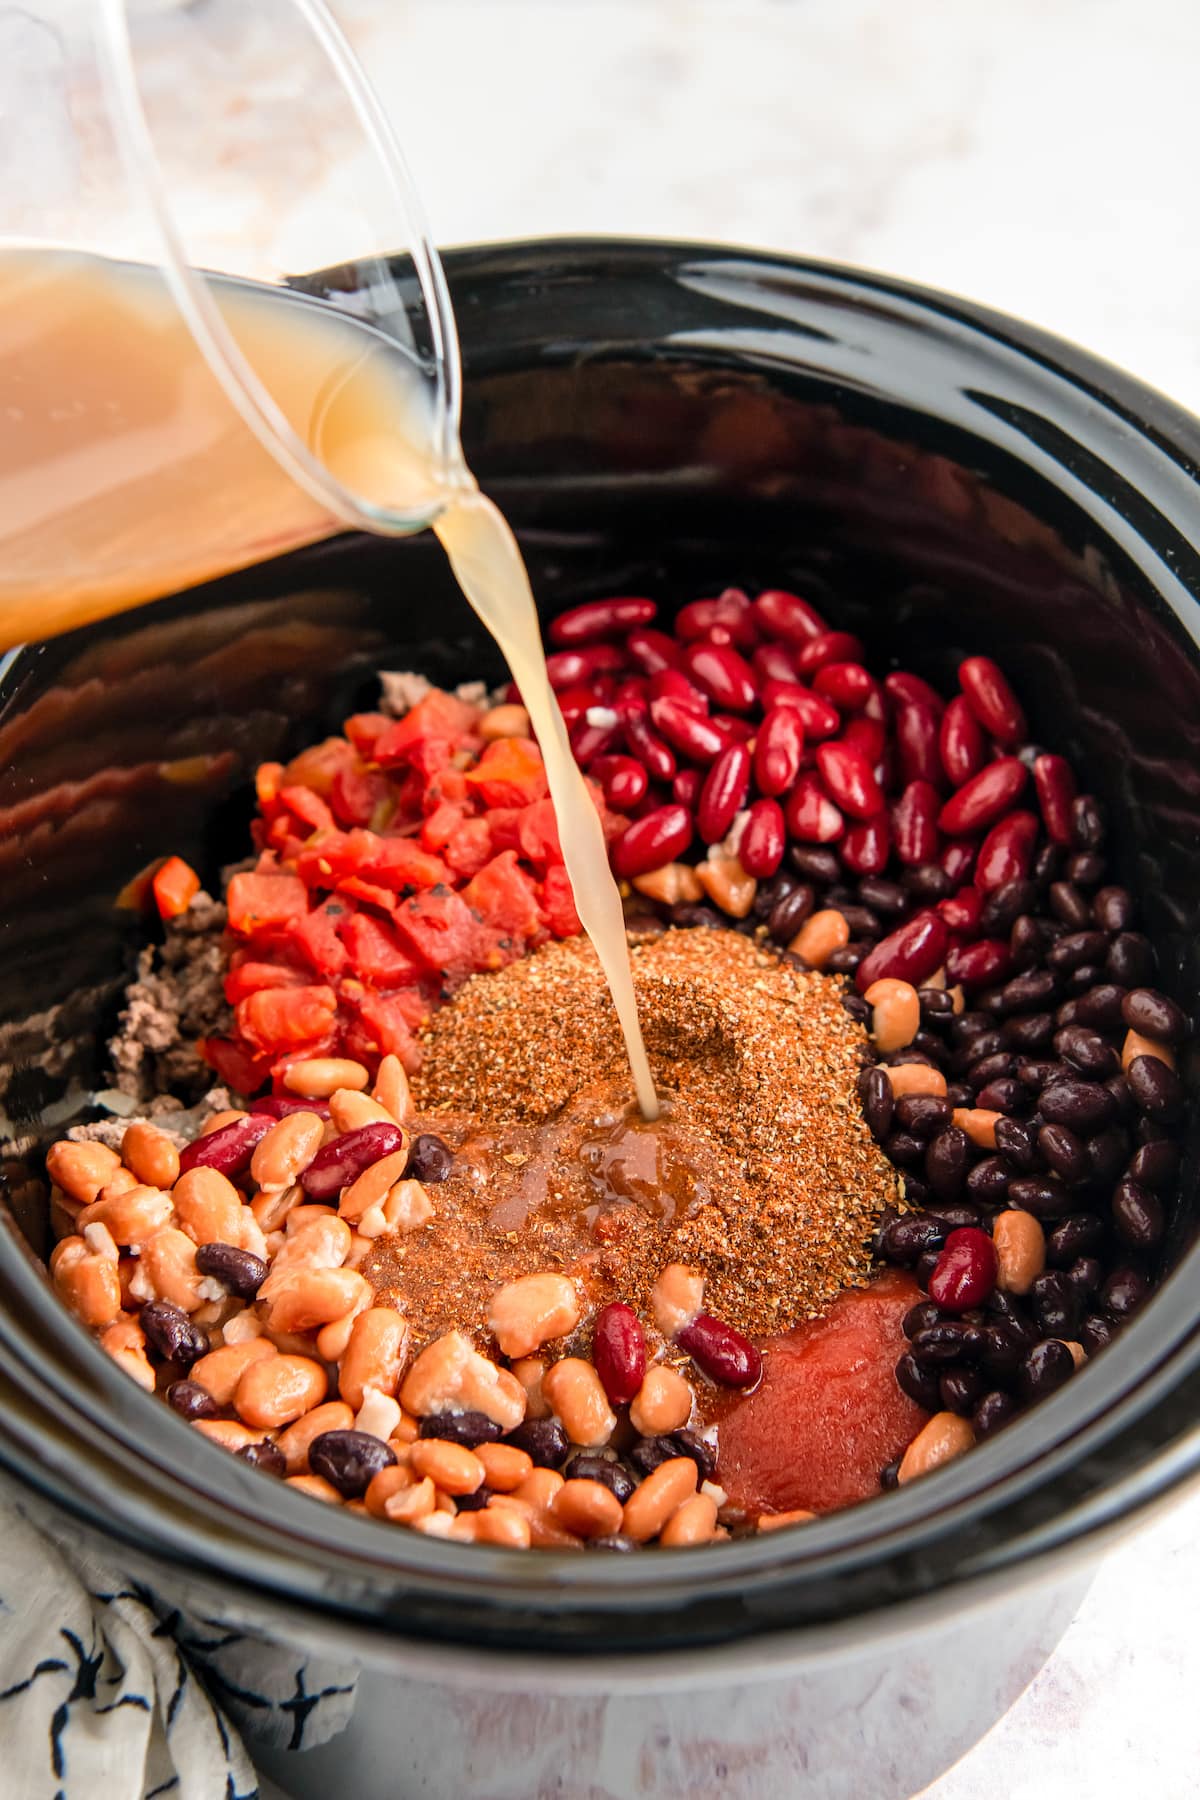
(236, 1065)
(504, 827)
(469, 848)
(829, 1413)
(364, 731)
(327, 859)
(314, 939)
(441, 825)
(441, 932)
(398, 863)
(426, 737)
(245, 978)
(375, 954)
(317, 764)
(357, 794)
(268, 779)
(509, 773)
(449, 784)
(558, 903)
(537, 834)
(504, 896)
(175, 886)
(264, 903)
(279, 1018)
(367, 893)
(384, 1026)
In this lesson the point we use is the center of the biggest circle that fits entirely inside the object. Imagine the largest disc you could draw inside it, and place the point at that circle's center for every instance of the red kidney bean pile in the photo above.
(1025, 1082)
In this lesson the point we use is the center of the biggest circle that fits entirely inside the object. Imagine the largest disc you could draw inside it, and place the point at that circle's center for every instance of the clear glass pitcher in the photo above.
(176, 400)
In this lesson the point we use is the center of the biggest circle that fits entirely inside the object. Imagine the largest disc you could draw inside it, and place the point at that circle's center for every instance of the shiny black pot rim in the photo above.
(1123, 1434)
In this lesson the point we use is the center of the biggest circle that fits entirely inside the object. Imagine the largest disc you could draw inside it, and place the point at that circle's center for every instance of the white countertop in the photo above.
(1039, 155)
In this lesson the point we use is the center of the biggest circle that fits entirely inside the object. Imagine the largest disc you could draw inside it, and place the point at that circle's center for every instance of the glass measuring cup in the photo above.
(174, 401)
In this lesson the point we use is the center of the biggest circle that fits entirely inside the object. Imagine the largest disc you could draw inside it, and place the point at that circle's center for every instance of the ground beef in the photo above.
(176, 997)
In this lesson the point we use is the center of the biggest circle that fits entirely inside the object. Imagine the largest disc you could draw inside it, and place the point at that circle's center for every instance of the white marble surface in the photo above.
(1036, 154)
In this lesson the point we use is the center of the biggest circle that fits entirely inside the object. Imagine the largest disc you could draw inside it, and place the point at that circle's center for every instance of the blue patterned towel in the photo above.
(107, 1694)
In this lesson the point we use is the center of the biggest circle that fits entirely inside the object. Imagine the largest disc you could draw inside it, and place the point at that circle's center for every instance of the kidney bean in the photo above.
(685, 789)
(911, 953)
(619, 1352)
(349, 1156)
(1054, 784)
(866, 846)
(730, 609)
(772, 663)
(784, 615)
(778, 750)
(720, 1352)
(916, 732)
(652, 651)
(1155, 1087)
(1006, 853)
(279, 1106)
(570, 668)
(191, 1401)
(349, 1460)
(659, 837)
(868, 736)
(979, 964)
(722, 674)
(590, 743)
(848, 776)
(229, 1148)
(599, 619)
(906, 689)
(1153, 1015)
(701, 739)
(828, 647)
(623, 780)
(919, 1382)
(985, 798)
(810, 815)
(764, 840)
(1046, 1368)
(647, 747)
(817, 717)
(673, 684)
(723, 794)
(171, 1333)
(914, 823)
(1155, 1165)
(986, 690)
(242, 1272)
(961, 745)
(846, 684)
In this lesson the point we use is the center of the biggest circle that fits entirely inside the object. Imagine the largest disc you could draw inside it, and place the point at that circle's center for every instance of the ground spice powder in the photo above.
(762, 1173)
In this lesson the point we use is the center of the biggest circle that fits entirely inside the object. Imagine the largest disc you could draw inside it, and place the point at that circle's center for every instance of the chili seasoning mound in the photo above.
(762, 1171)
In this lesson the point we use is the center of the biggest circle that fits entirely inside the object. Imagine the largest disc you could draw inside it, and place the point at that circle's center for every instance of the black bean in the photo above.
(910, 1235)
(937, 1007)
(968, 1025)
(1025, 942)
(1106, 1154)
(946, 1342)
(474, 1502)
(1096, 1333)
(1087, 822)
(1100, 1007)
(171, 1333)
(923, 1114)
(1070, 904)
(1064, 1152)
(1113, 909)
(544, 1440)
(960, 1389)
(896, 1059)
(1047, 864)
(469, 1429)
(1085, 869)
(1017, 1140)
(429, 1159)
(1009, 1311)
(862, 921)
(1004, 906)
(920, 1317)
(1067, 1014)
(845, 960)
(242, 1272)
(1138, 1215)
(1002, 1351)
(1154, 1015)
(190, 1399)
(878, 1102)
(1122, 1095)
(1029, 1031)
(617, 1541)
(1034, 1072)
(1077, 1235)
(1042, 1195)
(924, 1266)
(788, 915)
(1083, 1105)
(996, 1067)
(920, 1384)
(1123, 1292)
(991, 1001)
(813, 863)
(768, 894)
(857, 1007)
(690, 1443)
(988, 1182)
(1156, 1165)
(1154, 1087)
(611, 1475)
(1085, 1274)
(1030, 992)
(1006, 1096)
(648, 1453)
(1081, 981)
(349, 1460)
(946, 1162)
(889, 1475)
(886, 897)
(959, 1094)
(1130, 959)
(1055, 1304)
(1046, 1368)
(697, 917)
(1086, 1050)
(955, 1214)
(1074, 949)
(992, 1412)
(905, 1149)
(266, 1456)
(928, 881)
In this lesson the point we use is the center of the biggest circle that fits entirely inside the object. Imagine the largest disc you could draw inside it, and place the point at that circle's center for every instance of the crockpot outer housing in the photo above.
(669, 420)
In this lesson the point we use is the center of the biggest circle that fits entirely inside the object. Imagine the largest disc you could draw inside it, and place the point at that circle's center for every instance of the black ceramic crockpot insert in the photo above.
(664, 420)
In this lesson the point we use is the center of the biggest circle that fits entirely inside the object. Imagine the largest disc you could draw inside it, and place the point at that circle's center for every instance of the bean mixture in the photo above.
(912, 867)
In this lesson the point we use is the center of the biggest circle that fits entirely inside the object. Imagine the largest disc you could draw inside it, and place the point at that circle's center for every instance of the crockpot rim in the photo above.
(1149, 416)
